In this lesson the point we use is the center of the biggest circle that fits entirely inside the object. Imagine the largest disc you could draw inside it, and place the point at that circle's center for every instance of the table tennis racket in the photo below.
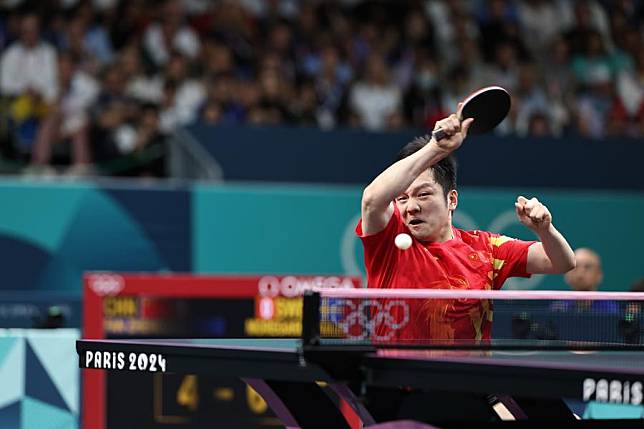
(488, 106)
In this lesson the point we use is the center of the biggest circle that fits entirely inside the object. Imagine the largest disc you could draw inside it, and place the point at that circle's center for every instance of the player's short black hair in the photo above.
(444, 171)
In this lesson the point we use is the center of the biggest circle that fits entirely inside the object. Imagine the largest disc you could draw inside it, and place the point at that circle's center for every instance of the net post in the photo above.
(311, 318)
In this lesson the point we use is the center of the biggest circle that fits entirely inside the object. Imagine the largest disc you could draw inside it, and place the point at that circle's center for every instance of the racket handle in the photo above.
(439, 134)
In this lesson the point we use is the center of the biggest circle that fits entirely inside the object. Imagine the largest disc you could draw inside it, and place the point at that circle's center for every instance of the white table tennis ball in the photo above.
(403, 241)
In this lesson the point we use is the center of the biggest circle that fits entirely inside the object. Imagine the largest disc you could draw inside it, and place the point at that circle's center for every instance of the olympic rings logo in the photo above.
(106, 284)
(359, 321)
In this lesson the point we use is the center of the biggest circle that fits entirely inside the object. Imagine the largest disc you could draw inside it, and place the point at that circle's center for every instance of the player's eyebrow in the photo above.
(422, 185)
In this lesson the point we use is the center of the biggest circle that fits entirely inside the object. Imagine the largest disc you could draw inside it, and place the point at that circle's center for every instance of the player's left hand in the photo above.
(533, 214)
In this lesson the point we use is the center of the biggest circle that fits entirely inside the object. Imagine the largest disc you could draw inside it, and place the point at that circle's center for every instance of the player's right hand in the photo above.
(455, 131)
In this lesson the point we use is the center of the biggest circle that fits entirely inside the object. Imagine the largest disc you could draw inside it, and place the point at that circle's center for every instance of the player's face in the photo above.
(426, 210)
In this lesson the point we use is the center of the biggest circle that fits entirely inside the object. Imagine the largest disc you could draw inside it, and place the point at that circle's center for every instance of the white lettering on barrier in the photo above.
(148, 362)
(637, 395)
(266, 308)
(615, 394)
(292, 286)
(616, 391)
(601, 391)
(588, 389)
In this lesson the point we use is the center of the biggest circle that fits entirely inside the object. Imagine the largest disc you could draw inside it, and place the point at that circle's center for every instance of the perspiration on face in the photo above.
(424, 208)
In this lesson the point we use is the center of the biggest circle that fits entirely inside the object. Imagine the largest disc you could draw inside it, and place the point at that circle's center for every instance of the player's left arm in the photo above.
(553, 254)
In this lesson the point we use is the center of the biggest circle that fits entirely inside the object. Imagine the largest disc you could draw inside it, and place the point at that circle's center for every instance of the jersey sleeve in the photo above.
(510, 258)
(378, 251)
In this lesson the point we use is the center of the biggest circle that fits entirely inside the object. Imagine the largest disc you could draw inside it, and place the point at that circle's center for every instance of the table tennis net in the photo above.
(426, 317)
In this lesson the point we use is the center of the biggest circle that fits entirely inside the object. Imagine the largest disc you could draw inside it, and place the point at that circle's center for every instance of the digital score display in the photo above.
(183, 306)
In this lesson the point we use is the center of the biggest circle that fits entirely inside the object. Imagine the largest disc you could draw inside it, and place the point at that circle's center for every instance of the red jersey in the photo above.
(471, 260)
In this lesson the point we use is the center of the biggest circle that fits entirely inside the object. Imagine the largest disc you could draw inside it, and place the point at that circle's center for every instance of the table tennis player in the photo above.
(417, 195)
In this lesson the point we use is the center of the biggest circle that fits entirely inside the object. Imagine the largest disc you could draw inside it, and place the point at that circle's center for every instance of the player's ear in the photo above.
(452, 199)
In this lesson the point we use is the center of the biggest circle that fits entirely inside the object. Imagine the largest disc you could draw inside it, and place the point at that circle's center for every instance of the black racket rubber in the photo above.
(488, 106)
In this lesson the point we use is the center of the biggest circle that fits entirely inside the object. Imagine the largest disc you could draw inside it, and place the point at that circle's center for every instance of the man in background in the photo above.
(586, 277)
(588, 274)
(28, 82)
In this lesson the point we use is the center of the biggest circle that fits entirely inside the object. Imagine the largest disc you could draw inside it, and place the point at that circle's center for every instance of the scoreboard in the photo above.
(186, 306)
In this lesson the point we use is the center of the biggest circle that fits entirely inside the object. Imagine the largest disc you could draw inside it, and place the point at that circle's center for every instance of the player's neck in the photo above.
(449, 234)
(445, 234)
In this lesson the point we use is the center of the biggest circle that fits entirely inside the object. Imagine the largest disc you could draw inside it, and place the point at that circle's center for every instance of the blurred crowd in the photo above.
(110, 79)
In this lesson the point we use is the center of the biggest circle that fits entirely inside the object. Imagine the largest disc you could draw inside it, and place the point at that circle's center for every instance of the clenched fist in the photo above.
(533, 214)
(455, 130)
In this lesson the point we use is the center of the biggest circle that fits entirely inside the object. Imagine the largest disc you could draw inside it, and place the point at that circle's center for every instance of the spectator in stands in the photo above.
(371, 64)
(146, 156)
(594, 64)
(595, 72)
(143, 85)
(275, 93)
(586, 277)
(417, 41)
(280, 48)
(109, 132)
(217, 59)
(533, 99)
(87, 37)
(112, 113)
(422, 103)
(249, 97)
(630, 92)
(587, 274)
(560, 85)
(211, 113)
(505, 69)
(629, 325)
(637, 308)
(29, 64)
(539, 125)
(189, 92)
(375, 98)
(67, 120)
(28, 79)
(638, 286)
(170, 33)
(541, 22)
(498, 20)
(125, 22)
(588, 18)
(331, 84)
(304, 106)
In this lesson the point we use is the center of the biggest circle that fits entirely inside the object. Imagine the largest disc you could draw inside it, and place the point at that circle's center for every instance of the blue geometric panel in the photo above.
(5, 345)
(14, 251)
(57, 354)
(164, 217)
(38, 415)
(12, 372)
(10, 416)
(40, 385)
(100, 220)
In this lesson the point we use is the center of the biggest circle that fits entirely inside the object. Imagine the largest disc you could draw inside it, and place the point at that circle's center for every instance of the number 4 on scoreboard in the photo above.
(188, 393)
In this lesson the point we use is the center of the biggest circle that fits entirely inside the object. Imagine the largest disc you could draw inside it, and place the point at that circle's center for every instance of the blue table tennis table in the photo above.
(295, 381)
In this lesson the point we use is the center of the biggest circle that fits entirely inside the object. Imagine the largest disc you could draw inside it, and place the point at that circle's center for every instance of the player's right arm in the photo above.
(377, 207)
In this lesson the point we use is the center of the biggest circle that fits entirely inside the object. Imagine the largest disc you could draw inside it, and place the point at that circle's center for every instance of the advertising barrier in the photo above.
(121, 305)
